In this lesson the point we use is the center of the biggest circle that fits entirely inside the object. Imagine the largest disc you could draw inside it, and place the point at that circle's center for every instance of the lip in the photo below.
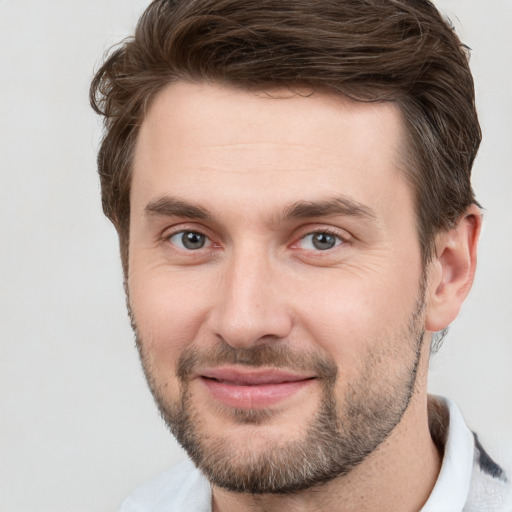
(252, 389)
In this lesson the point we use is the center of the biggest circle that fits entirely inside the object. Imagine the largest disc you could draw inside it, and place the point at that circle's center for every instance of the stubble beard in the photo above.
(337, 439)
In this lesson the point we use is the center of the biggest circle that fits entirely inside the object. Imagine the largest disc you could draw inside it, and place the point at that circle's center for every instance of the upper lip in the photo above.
(252, 377)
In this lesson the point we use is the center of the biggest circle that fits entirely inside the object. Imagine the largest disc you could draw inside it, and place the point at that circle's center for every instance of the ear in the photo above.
(452, 270)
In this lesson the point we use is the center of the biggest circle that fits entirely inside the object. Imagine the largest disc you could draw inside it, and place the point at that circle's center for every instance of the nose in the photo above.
(251, 307)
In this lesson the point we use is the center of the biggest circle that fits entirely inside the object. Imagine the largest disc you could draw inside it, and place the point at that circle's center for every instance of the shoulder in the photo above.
(180, 489)
(472, 478)
(491, 485)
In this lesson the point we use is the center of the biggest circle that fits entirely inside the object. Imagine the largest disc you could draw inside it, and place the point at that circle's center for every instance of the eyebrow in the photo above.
(335, 206)
(171, 207)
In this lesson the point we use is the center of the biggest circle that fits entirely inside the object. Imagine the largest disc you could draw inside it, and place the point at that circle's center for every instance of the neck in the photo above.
(398, 476)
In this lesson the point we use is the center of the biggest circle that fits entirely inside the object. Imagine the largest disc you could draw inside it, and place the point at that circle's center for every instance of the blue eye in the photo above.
(189, 240)
(320, 241)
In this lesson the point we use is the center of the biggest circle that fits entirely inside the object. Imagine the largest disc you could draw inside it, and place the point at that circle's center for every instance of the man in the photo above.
(290, 182)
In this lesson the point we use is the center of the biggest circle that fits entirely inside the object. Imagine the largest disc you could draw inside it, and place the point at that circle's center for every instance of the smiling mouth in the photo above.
(253, 389)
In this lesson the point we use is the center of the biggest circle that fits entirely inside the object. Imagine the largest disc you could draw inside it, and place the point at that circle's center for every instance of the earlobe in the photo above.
(453, 270)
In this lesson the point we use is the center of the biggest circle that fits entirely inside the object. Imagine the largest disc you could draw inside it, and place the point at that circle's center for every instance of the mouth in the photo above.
(253, 389)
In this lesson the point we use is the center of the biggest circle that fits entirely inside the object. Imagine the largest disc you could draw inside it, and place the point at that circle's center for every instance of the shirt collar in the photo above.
(451, 489)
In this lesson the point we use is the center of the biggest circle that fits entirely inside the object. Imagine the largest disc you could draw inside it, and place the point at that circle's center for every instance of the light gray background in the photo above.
(78, 430)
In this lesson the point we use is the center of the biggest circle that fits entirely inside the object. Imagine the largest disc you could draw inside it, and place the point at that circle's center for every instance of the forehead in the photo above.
(282, 145)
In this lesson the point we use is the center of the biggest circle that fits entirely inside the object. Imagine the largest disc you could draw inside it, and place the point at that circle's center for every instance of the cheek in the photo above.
(352, 316)
(169, 309)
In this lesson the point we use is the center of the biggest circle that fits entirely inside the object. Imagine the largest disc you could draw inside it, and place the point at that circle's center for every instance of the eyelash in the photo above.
(183, 232)
(339, 239)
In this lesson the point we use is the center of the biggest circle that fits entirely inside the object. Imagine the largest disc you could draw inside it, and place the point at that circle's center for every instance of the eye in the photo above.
(189, 240)
(319, 241)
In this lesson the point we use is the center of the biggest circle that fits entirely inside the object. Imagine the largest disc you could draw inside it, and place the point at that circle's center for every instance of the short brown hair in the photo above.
(370, 50)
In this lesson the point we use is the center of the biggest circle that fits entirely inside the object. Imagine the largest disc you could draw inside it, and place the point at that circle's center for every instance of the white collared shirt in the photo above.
(452, 486)
(462, 486)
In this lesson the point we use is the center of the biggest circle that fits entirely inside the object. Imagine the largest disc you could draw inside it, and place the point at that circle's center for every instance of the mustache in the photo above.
(268, 355)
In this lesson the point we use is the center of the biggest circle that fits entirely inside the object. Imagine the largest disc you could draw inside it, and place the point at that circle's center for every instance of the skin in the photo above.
(247, 159)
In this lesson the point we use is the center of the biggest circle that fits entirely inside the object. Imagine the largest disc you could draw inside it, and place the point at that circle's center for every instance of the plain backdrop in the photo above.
(78, 429)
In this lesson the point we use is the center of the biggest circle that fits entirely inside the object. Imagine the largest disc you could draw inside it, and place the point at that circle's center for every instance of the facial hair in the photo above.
(338, 437)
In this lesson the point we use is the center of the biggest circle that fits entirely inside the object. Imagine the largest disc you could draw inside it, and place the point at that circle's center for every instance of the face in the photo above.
(275, 280)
